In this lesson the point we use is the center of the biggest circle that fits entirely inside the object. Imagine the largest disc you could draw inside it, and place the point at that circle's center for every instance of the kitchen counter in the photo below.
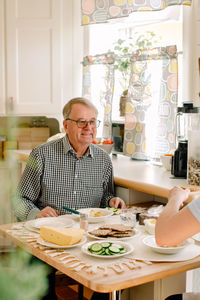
(142, 176)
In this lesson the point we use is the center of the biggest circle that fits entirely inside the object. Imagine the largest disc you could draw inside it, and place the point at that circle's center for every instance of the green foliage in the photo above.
(20, 280)
(123, 50)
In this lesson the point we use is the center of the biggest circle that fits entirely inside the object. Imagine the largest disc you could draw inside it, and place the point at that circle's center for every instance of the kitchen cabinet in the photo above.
(36, 65)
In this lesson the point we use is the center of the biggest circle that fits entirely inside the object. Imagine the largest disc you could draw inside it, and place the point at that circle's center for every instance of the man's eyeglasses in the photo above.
(83, 123)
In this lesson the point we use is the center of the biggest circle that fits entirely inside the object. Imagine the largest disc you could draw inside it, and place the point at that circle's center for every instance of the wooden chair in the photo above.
(62, 280)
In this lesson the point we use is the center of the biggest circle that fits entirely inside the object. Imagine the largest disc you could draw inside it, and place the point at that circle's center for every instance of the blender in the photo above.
(187, 120)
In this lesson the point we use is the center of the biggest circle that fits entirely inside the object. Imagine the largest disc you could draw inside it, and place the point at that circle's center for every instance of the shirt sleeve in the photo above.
(194, 207)
(29, 188)
(108, 184)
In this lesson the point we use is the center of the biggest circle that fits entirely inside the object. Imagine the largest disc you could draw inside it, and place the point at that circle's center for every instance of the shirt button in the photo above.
(74, 192)
(76, 176)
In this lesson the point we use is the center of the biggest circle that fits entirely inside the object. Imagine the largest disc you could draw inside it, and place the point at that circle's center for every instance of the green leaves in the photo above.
(20, 280)
(123, 50)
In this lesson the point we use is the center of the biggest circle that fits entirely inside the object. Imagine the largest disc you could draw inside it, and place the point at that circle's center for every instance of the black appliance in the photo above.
(179, 160)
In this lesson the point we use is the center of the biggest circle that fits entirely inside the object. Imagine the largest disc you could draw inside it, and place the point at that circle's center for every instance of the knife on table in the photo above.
(72, 210)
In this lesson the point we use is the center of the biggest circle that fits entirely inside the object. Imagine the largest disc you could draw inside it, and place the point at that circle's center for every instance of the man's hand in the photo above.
(117, 203)
(47, 212)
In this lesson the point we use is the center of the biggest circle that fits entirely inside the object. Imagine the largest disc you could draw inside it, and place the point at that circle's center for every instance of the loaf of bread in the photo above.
(61, 236)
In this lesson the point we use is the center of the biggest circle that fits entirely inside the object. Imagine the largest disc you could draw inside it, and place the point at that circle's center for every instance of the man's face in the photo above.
(79, 137)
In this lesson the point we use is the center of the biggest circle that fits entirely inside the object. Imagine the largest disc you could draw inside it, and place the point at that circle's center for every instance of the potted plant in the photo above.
(20, 279)
(123, 50)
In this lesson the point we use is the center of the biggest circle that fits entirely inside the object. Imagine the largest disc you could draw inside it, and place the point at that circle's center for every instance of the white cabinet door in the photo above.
(33, 54)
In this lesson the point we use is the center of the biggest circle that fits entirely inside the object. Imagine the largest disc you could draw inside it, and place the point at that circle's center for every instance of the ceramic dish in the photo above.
(136, 233)
(151, 243)
(95, 215)
(127, 247)
(51, 245)
(34, 225)
(196, 237)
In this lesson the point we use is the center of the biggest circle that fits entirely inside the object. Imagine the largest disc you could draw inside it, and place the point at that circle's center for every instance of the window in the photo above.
(166, 24)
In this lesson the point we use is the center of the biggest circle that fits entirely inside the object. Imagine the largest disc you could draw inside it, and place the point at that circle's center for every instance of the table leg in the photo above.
(115, 295)
(80, 292)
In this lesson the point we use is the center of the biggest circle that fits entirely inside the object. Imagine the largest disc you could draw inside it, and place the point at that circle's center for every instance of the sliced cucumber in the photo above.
(105, 244)
(114, 249)
(107, 251)
(96, 247)
(106, 248)
(123, 251)
(118, 246)
(101, 252)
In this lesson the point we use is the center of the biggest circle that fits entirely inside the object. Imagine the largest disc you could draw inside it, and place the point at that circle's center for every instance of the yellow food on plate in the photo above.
(61, 236)
(94, 213)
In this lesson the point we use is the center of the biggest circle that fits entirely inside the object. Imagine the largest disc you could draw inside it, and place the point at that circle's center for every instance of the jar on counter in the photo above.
(2, 146)
(84, 221)
(193, 171)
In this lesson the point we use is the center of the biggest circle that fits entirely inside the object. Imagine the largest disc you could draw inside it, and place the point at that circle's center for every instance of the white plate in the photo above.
(105, 213)
(196, 237)
(128, 247)
(113, 238)
(30, 228)
(51, 245)
(151, 243)
(50, 221)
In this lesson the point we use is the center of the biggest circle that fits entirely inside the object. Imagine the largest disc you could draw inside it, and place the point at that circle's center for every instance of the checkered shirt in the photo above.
(55, 177)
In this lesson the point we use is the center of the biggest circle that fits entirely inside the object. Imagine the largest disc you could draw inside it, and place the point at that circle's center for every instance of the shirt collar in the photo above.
(69, 148)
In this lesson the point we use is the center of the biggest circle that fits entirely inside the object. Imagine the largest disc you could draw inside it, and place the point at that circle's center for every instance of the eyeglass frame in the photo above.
(86, 122)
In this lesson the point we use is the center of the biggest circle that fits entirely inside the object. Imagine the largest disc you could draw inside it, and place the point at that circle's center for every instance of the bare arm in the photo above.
(174, 224)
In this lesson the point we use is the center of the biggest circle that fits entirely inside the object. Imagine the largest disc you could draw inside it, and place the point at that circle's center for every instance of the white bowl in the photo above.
(150, 225)
(166, 161)
(95, 215)
(105, 147)
(151, 243)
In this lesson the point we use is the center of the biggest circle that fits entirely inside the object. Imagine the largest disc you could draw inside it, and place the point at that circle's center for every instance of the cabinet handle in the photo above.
(10, 104)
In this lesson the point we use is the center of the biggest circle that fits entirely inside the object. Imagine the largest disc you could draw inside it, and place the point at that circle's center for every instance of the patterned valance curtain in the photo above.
(100, 11)
(151, 104)
(98, 86)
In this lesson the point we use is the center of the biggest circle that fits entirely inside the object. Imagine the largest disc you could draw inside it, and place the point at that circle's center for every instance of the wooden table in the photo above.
(99, 282)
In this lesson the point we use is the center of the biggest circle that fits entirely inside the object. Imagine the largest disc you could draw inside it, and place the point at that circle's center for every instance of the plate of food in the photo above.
(95, 215)
(55, 246)
(61, 237)
(113, 231)
(107, 249)
(48, 221)
(151, 243)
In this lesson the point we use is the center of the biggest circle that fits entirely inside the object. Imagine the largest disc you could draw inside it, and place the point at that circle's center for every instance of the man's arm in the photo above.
(25, 203)
(174, 224)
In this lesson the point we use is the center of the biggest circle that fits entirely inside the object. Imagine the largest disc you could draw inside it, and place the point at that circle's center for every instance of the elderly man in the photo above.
(69, 171)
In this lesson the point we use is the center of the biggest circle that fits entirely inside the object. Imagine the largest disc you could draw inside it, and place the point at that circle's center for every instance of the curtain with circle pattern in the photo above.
(151, 104)
(98, 86)
(100, 11)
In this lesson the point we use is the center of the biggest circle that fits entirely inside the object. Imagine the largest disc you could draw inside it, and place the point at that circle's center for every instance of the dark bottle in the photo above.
(179, 160)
